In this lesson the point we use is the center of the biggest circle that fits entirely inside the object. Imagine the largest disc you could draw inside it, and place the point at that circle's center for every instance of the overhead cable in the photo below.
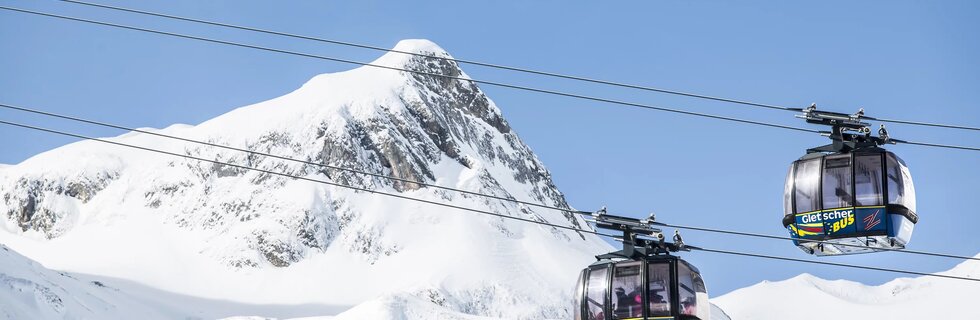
(388, 194)
(455, 206)
(347, 61)
(766, 236)
(492, 65)
(457, 60)
(937, 145)
(323, 165)
(845, 265)
(383, 176)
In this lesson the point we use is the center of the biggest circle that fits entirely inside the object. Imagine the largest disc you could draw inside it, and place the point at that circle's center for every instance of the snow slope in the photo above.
(208, 231)
(31, 291)
(807, 297)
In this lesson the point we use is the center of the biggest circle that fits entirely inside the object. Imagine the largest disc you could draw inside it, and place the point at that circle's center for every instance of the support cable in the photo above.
(323, 165)
(763, 256)
(460, 207)
(347, 61)
(491, 65)
(695, 228)
(389, 194)
(937, 145)
(766, 236)
(457, 60)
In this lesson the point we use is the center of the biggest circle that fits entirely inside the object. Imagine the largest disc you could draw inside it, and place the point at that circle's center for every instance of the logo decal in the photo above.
(872, 220)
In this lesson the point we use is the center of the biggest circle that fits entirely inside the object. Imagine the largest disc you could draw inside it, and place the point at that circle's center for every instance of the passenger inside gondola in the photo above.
(656, 297)
(627, 305)
(689, 306)
(658, 302)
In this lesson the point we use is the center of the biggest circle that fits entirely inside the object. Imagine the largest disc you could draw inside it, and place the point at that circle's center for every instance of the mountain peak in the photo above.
(411, 124)
(422, 46)
(408, 63)
(406, 53)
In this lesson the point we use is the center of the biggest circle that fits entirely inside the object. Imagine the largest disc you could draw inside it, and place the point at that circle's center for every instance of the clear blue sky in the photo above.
(897, 59)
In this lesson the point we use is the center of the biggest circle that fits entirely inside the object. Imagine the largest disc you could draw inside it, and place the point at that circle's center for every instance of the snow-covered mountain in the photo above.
(31, 291)
(218, 232)
(808, 297)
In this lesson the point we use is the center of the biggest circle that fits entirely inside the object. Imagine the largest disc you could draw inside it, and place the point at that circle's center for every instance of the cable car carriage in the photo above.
(641, 281)
(849, 195)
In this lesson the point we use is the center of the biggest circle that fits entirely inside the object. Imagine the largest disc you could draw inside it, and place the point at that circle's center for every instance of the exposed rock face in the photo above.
(33, 202)
(427, 120)
(413, 127)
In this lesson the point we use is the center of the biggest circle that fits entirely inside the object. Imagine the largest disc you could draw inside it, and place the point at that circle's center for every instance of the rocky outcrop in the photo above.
(42, 204)
(426, 121)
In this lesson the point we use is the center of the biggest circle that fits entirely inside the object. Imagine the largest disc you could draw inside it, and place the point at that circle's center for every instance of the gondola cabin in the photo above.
(852, 196)
(658, 287)
(641, 281)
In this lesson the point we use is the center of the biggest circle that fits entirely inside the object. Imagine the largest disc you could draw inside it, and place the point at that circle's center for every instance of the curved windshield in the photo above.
(909, 192)
(701, 293)
(788, 193)
(685, 290)
(900, 188)
(577, 296)
(807, 182)
(595, 294)
(692, 293)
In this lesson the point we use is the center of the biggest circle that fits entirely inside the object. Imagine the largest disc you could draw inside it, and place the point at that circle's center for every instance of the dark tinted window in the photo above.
(837, 182)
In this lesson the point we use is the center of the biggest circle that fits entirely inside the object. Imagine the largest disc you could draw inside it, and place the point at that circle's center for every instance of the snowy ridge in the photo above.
(213, 231)
(902, 298)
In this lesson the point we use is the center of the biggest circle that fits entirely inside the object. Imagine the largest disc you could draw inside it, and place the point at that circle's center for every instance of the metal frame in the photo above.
(848, 131)
(849, 135)
(645, 243)
(883, 154)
